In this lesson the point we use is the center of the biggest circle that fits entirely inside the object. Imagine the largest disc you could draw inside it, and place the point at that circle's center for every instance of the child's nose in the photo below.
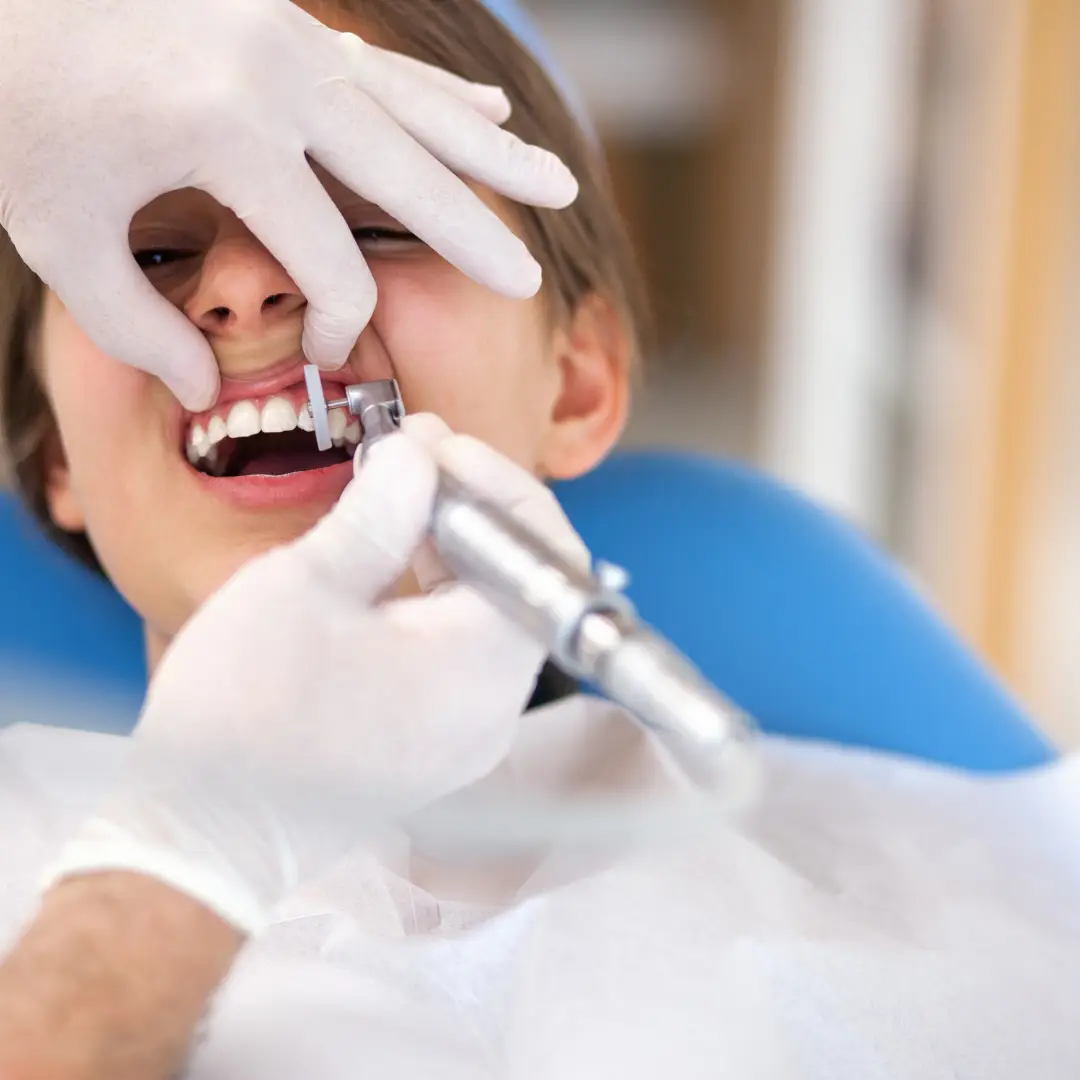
(243, 294)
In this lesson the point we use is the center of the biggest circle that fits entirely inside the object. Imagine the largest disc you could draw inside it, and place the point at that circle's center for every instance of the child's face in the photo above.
(166, 531)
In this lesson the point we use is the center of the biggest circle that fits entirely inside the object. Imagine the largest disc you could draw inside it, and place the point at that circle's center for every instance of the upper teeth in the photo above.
(245, 418)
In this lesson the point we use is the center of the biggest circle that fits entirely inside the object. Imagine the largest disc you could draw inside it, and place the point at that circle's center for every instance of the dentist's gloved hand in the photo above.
(106, 105)
(298, 711)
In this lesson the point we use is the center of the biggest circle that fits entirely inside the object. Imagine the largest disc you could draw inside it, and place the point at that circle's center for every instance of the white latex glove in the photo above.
(105, 105)
(297, 712)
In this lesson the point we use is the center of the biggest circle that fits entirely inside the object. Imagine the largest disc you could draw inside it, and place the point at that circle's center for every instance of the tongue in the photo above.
(283, 462)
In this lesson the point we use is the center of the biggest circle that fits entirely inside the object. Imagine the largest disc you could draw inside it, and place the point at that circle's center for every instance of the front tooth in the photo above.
(304, 419)
(338, 423)
(278, 415)
(352, 432)
(243, 420)
(216, 431)
(193, 454)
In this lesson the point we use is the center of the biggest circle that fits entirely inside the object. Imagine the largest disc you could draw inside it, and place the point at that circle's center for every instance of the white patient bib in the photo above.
(872, 919)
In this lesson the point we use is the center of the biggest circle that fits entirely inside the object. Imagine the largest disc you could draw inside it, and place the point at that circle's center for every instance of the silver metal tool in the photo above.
(584, 618)
(377, 405)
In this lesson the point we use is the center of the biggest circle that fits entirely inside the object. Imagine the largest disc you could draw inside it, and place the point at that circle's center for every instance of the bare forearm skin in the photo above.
(110, 981)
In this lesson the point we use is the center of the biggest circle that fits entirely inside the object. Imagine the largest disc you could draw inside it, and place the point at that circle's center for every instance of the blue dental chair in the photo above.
(794, 614)
(789, 611)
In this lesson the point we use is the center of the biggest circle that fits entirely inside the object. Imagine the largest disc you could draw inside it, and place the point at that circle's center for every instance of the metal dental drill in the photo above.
(589, 626)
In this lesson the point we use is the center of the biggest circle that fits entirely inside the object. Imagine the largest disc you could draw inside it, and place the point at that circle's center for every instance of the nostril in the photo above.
(220, 312)
(282, 304)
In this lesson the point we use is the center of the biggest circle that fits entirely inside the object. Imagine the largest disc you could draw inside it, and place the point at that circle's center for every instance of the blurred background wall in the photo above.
(859, 224)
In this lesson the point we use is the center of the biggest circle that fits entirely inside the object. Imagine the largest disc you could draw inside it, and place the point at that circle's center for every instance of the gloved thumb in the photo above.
(125, 316)
(369, 538)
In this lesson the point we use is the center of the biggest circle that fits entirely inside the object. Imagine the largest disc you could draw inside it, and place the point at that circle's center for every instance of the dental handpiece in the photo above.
(583, 617)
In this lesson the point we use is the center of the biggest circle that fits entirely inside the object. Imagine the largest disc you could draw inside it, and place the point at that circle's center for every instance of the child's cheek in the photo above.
(462, 351)
(428, 326)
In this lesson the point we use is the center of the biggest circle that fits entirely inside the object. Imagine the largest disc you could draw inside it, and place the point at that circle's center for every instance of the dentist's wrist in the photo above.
(191, 869)
(110, 980)
(199, 825)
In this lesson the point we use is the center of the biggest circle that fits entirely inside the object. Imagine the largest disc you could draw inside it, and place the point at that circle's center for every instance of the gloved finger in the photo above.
(489, 101)
(408, 183)
(368, 539)
(461, 138)
(280, 199)
(463, 615)
(429, 431)
(428, 568)
(111, 299)
(515, 489)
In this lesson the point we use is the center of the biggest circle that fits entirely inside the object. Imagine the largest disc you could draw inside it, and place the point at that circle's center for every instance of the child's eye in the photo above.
(380, 237)
(155, 258)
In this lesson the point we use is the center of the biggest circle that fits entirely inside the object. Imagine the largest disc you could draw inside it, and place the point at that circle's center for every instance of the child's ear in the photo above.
(60, 496)
(590, 411)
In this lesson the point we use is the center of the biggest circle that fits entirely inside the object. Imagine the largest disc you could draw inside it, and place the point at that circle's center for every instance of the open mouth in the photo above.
(267, 437)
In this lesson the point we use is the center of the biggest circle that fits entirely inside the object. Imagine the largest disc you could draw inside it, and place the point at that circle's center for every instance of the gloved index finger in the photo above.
(416, 189)
(280, 199)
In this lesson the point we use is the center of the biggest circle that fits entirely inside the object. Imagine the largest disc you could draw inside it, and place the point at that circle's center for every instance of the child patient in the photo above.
(169, 505)
(811, 942)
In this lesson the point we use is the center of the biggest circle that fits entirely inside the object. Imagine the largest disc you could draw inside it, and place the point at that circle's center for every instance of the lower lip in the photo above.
(280, 492)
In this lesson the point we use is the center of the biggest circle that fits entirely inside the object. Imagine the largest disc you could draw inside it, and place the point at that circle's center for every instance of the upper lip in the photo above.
(279, 377)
